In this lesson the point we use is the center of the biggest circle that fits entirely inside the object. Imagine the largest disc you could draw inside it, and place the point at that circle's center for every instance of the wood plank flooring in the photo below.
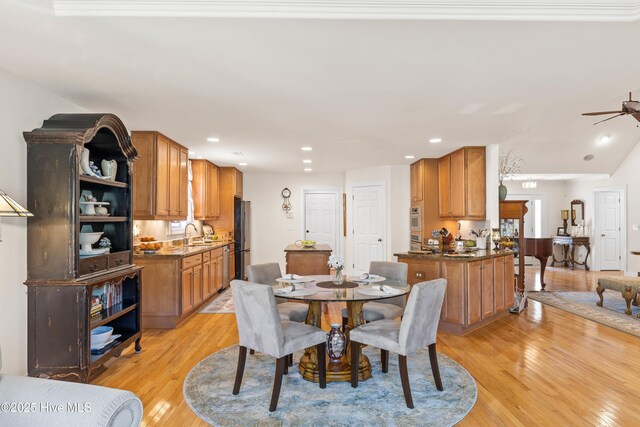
(543, 367)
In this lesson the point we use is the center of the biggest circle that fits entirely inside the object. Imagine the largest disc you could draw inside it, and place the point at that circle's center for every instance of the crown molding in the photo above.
(481, 10)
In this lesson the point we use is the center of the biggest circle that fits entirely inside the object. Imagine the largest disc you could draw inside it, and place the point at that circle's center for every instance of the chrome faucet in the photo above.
(185, 239)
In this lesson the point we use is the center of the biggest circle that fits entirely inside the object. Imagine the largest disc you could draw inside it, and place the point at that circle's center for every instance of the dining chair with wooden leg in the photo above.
(261, 328)
(416, 330)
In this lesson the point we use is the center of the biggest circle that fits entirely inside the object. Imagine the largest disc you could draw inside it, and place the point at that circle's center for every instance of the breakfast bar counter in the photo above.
(480, 285)
(308, 260)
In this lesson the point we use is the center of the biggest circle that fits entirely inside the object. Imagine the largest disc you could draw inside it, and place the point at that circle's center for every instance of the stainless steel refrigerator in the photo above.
(242, 236)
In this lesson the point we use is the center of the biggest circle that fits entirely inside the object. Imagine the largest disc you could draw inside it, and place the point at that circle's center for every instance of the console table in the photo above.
(569, 244)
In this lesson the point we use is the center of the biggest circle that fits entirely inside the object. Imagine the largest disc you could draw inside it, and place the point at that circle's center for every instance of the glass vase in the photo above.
(336, 343)
(338, 277)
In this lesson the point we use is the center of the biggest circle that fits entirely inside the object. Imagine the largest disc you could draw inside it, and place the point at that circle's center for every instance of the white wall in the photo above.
(23, 106)
(271, 230)
(556, 195)
(626, 176)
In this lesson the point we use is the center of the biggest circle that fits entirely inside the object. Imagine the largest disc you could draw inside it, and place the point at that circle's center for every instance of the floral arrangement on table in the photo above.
(508, 164)
(337, 263)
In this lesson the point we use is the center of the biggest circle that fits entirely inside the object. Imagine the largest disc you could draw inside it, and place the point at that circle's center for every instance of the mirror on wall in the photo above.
(577, 211)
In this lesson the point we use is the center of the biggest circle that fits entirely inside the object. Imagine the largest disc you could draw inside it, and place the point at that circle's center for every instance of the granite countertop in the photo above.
(467, 256)
(182, 251)
(320, 247)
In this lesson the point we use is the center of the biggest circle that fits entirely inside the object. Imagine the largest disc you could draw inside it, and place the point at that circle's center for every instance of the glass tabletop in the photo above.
(364, 292)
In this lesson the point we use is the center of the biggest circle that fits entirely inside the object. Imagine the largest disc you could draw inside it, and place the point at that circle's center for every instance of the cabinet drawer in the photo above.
(191, 261)
(93, 265)
(119, 259)
(216, 253)
(206, 256)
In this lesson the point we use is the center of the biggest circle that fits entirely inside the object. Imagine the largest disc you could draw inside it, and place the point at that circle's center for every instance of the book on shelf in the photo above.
(95, 309)
(108, 295)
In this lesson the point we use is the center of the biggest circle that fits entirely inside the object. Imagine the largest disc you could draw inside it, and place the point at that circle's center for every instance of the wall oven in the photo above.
(415, 219)
(415, 242)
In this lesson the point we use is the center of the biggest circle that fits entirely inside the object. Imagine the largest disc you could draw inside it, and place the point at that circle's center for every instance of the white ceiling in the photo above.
(361, 92)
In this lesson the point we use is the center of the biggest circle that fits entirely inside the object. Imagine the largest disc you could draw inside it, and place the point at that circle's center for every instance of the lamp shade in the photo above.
(9, 207)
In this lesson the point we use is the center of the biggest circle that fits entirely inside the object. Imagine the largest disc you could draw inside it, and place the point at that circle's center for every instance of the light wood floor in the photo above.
(543, 367)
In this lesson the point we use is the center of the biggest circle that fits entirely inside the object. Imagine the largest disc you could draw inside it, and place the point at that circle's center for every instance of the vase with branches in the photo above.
(508, 164)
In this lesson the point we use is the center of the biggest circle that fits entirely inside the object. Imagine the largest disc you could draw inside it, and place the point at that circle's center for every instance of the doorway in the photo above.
(609, 229)
(321, 217)
(535, 220)
(368, 226)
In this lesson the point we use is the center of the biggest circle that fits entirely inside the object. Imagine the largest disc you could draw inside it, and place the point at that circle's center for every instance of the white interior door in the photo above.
(608, 229)
(368, 226)
(321, 218)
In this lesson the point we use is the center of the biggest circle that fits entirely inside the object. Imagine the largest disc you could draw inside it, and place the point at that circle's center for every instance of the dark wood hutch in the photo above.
(60, 283)
(516, 209)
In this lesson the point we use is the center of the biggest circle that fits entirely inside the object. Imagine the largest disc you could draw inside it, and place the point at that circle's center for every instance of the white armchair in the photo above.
(26, 401)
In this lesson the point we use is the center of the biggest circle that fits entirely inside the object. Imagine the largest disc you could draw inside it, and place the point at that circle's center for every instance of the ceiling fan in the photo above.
(628, 107)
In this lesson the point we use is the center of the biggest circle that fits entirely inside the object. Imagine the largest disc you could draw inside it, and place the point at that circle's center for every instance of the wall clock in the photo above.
(286, 205)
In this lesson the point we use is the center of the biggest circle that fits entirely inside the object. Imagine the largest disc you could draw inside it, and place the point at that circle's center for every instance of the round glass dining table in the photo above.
(318, 289)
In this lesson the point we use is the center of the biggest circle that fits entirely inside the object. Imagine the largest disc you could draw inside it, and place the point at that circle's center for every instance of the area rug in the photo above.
(584, 305)
(379, 401)
(222, 304)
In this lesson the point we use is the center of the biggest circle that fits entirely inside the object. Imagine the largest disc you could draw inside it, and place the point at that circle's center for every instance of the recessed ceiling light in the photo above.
(410, 157)
(306, 148)
(435, 140)
(604, 139)
(588, 157)
(242, 164)
(308, 169)
(200, 157)
(307, 161)
(213, 139)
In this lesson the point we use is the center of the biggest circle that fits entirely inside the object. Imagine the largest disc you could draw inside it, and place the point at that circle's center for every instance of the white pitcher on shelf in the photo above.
(109, 169)
(84, 162)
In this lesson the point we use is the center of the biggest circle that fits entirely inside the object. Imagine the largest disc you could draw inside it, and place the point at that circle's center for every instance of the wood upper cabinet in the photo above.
(160, 177)
(238, 183)
(417, 181)
(462, 184)
(206, 191)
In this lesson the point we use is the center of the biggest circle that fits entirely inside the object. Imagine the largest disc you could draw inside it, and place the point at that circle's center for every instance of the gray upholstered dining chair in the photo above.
(390, 308)
(267, 274)
(260, 328)
(416, 330)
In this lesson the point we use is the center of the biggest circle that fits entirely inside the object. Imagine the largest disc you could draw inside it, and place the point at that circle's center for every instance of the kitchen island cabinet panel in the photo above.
(455, 296)
(423, 270)
(187, 290)
(478, 287)
(308, 261)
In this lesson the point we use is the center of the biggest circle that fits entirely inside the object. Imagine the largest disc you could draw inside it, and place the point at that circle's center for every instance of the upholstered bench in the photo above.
(629, 287)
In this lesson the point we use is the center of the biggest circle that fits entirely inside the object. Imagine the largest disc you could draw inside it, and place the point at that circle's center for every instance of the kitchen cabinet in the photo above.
(462, 184)
(478, 290)
(417, 181)
(516, 209)
(206, 191)
(180, 284)
(60, 284)
(232, 262)
(423, 270)
(237, 183)
(160, 177)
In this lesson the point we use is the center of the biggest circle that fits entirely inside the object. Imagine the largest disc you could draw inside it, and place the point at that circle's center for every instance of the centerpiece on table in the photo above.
(337, 263)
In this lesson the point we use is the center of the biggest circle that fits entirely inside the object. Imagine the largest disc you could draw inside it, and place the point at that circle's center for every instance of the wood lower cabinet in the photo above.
(160, 177)
(179, 286)
(477, 291)
(308, 261)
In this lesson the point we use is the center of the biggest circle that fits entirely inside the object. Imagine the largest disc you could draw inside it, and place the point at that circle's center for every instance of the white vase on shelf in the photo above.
(84, 162)
(109, 169)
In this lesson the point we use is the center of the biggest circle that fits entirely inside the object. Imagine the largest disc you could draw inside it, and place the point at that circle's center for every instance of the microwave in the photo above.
(415, 219)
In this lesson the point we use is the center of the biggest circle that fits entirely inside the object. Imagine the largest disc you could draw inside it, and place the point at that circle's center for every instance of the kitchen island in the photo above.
(480, 285)
(181, 280)
(307, 261)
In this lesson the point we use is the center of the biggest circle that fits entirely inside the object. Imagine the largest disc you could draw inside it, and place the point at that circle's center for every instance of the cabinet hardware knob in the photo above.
(93, 267)
(119, 261)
